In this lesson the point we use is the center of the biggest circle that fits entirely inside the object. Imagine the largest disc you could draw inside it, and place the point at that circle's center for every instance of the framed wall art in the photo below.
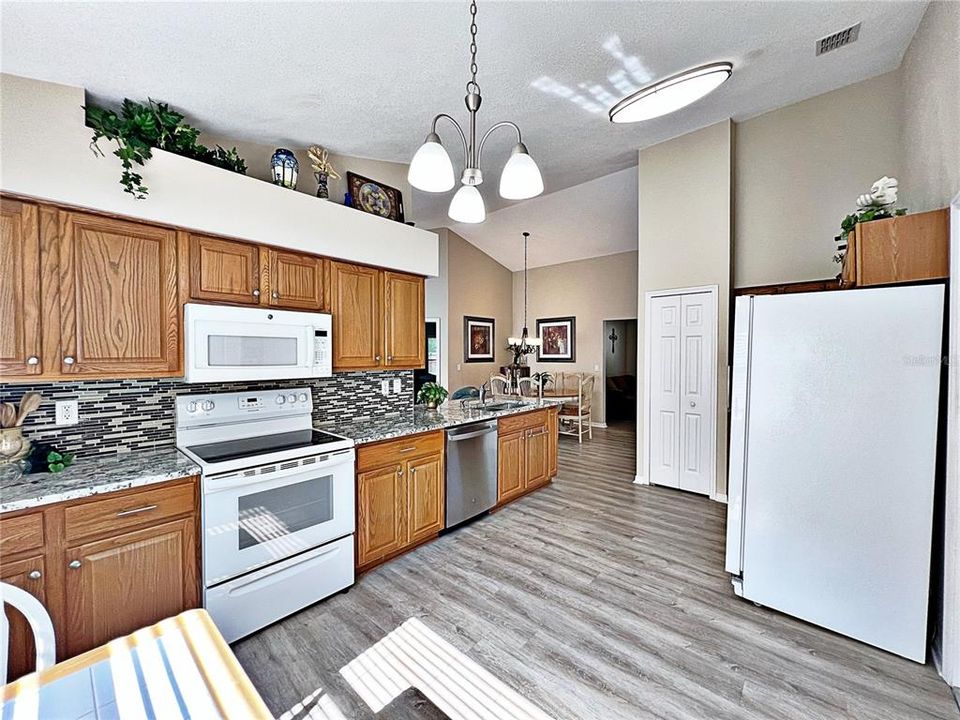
(558, 339)
(374, 197)
(479, 339)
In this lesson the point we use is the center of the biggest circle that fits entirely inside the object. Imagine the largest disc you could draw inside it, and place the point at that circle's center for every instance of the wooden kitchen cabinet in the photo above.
(294, 281)
(20, 308)
(553, 438)
(378, 318)
(403, 320)
(119, 314)
(400, 496)
(222, 270)
(101, 578)
(527, 445)
(125, 582)
(355, 305)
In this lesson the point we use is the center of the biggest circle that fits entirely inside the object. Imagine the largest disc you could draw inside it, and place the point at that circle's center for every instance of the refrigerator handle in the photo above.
(739, 427)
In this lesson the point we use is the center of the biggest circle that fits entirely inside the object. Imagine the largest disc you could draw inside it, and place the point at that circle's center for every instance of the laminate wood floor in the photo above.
(594, 598)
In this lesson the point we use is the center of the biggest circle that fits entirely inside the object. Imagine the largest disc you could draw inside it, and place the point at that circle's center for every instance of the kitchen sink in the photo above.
(501, 406)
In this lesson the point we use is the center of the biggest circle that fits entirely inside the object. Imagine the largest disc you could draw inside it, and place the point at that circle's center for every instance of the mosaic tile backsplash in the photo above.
(122, 415)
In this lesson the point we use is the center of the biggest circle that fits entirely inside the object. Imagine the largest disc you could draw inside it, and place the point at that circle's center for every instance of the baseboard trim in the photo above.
(719, 497)
(640, 480)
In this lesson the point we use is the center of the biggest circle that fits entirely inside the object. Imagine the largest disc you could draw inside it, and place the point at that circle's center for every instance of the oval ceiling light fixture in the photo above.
(671, 94)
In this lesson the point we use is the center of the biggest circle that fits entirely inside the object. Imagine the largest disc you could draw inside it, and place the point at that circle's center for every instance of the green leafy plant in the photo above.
(432, 394)
(866, 215)
(139, 128)
(45, 458)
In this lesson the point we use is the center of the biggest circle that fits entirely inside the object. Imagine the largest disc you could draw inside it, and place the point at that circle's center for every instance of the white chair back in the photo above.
(499, 385)
(40, 623)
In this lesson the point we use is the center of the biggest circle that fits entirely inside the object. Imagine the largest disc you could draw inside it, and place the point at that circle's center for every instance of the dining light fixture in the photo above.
(524, 345)
(432, 171)
(666, 96)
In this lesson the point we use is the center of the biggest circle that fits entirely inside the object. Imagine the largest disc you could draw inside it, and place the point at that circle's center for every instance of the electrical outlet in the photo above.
(396, 386)
(458, 367)
(68, 412)
(384, 387)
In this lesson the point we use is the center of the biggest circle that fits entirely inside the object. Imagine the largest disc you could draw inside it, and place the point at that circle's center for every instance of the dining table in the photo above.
(180, 667)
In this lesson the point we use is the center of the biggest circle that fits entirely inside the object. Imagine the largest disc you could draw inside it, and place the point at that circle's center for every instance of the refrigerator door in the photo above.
(840, 460)
(739, 388)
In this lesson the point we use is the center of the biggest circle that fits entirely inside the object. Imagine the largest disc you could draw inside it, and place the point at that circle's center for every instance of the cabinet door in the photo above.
(119, 312)
(404, 329)
(552, 440)
(424, 498)
(120, 584)
(20, 289)
(510, 472)
(536, 457)
(295, 281)
(224, 270)
(380, 513)
(355, 305)
(27, 574)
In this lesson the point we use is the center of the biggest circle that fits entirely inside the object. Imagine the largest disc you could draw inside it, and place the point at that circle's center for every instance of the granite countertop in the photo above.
(385, 427)
(91, 475)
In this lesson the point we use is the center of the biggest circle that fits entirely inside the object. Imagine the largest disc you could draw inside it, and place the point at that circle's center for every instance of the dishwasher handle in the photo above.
(471, 432)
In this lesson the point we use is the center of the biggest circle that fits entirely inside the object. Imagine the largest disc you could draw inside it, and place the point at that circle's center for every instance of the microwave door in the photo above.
(250, 352)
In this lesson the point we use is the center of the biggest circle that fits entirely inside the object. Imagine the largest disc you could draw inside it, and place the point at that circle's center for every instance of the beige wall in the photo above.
(480, 286)
(799, 169)
(594, 290)
(437, 305)
(685, 243)
(257, 157)
(930, 77)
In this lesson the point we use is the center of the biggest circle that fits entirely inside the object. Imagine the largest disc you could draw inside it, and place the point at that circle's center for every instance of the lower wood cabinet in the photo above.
(527, 453)
(100, 581)
(400, 496)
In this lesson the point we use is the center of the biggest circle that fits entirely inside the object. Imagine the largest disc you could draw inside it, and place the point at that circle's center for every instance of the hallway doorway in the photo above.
(620, 371)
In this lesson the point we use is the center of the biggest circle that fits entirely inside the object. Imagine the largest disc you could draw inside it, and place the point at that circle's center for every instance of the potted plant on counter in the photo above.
(432, 395)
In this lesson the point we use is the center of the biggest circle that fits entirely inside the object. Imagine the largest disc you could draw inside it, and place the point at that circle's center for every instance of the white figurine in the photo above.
(883, 193)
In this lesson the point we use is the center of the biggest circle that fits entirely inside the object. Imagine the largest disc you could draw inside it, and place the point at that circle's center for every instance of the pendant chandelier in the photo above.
(432, 171)
(524, 345)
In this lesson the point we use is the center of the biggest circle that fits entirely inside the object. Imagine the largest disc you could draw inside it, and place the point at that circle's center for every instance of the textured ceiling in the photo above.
(365, 78)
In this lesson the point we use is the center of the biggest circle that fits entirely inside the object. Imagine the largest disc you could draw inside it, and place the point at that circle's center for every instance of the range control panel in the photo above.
(225, 407)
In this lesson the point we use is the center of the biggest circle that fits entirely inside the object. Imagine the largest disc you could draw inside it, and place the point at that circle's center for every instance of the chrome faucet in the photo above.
(483, 394)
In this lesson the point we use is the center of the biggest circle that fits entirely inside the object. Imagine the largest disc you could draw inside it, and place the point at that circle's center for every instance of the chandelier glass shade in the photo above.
(432, 171)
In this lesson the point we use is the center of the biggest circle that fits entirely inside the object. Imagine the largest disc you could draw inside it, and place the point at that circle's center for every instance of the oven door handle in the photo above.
(272, 574)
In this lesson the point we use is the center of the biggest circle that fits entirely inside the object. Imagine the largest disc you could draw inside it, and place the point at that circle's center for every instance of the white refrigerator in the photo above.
(833, 444)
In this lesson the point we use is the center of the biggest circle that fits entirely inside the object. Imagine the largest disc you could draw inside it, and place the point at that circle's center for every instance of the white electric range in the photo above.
(278, 504)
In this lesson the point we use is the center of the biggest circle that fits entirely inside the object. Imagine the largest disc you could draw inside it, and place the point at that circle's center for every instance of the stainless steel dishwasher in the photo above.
(471, 471)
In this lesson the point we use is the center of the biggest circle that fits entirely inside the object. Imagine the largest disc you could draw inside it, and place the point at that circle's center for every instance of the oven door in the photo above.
(261, 515)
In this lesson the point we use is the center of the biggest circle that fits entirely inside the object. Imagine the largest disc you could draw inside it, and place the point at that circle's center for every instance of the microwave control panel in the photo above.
(322, 352)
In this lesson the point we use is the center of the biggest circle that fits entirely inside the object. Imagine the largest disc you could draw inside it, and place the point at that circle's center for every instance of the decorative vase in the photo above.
(13, 446)
(432, 404)
(322, 190)
(284, 168)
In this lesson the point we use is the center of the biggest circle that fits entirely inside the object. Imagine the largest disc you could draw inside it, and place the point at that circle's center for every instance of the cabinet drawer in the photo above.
(523, 421)
(381, 454)
(119, 512)
(17, 534)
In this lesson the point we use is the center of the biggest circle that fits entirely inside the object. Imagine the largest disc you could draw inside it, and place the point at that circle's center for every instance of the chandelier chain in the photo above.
(472, 85)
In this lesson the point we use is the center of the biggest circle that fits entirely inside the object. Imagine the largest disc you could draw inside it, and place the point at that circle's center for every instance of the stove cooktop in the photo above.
(241, 448)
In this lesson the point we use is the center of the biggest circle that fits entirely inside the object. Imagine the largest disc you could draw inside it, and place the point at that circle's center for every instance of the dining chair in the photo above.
(527, 386)
(40, 624)
(575, 417)
(499, 385)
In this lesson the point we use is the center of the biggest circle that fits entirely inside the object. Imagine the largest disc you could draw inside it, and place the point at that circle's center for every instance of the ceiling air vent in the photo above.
(838, 39)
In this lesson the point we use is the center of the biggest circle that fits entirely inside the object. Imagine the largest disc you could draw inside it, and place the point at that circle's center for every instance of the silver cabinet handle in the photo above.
(389, 358)
(377, 358)
(35, 575)
(409, 449)
(399, 471)
(136, 511)
(413, 471)
(69, 360)
(74, 564)
(256, 293)
(33, 360)
(276, 295)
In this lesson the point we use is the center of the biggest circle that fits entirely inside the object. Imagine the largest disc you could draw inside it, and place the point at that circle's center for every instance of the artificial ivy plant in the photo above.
(139, 127)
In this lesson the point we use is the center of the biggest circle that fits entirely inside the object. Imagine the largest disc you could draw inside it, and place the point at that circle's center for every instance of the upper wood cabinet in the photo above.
(355, 303)
(404, 320)
(119, 312)
(293, 280)
(378, 318)
(20, 309)
(223, 270)
(400, 495)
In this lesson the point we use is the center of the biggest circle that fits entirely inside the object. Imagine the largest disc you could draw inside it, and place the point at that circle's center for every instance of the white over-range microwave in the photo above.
(223, 344)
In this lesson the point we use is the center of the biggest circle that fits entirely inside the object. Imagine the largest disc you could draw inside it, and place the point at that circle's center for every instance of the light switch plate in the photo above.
(68, 412)
(396, 386)
(384, 387)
